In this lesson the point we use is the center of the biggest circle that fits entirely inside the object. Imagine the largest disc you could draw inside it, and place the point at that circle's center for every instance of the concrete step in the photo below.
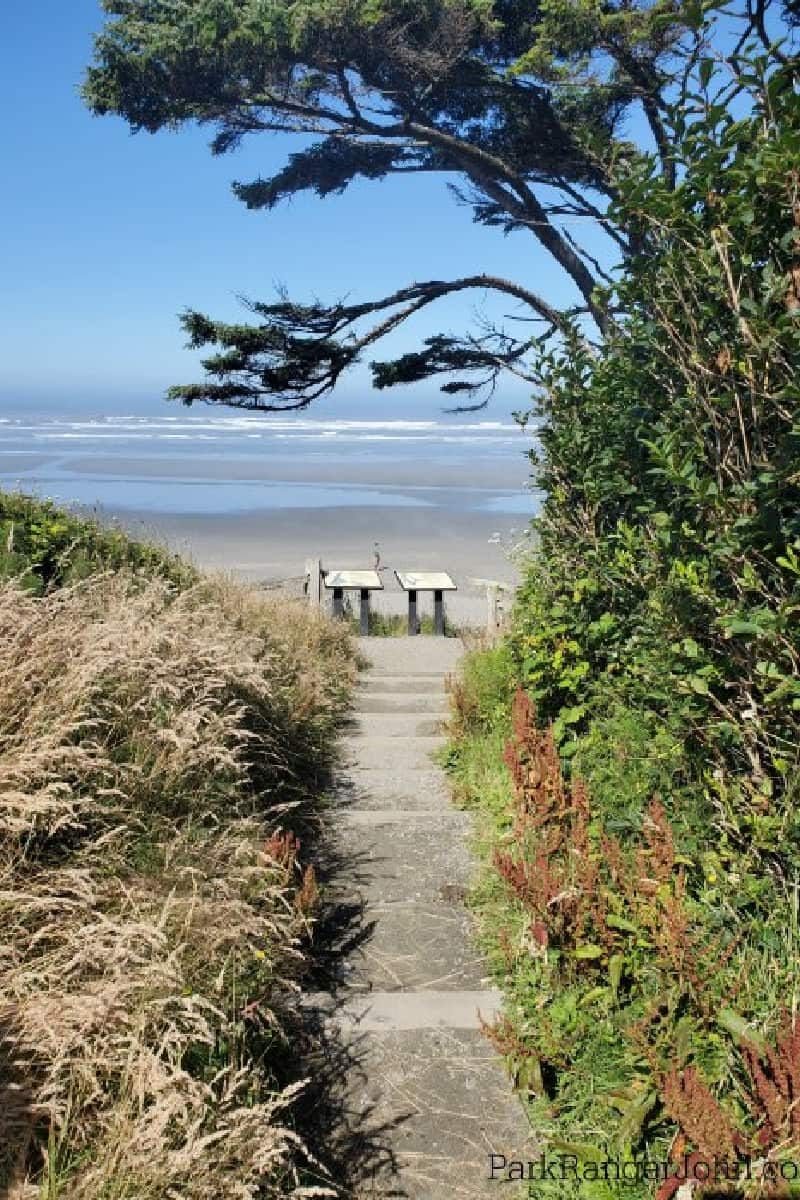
(402, 702)
(444, 1101)
(394, 684)
(416, 947)
(395, 724)
(412, 988)
(429, 656)
(372, 818)
(390, 1012)
(420, 859)
(381, 788)
(399, 755)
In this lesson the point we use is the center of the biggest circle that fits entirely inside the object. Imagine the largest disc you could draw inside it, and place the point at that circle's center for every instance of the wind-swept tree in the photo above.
(521, 107)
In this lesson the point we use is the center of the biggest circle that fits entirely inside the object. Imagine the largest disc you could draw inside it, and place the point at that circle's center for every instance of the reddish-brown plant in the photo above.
(701, 1120)
(282, 848)
(774, 1097)
(307, 896)
(550, 864)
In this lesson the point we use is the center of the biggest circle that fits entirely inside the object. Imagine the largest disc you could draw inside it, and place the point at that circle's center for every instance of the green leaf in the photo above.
(596, 993)
(621, 923)
(736, 627)
(529, 1075)
(583, 1151)
(634, 1118)
(739, 1028)
(706, 71)
(588, 952)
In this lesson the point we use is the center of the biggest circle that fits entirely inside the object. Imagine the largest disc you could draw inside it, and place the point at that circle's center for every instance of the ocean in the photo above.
(212, 463)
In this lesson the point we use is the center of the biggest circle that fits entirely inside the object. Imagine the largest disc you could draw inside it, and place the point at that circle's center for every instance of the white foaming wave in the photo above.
(265, 420)
(90, 437)
(203, 428)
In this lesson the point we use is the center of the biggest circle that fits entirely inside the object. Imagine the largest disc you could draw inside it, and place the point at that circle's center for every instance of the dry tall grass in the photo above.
(151, 918)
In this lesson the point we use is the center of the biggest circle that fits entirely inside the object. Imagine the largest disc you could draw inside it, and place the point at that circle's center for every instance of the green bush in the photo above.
(646, 930)
(483, 693)
(626, 757)
(668, 577)
(43, 546)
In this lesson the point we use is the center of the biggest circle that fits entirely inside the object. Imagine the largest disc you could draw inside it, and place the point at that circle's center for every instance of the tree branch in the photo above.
(757, 15)
(299, 352)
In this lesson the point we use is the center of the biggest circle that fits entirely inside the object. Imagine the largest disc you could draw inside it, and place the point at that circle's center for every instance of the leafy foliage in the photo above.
(646, 921)
(669, 568)
(521, 108)
(44, 546)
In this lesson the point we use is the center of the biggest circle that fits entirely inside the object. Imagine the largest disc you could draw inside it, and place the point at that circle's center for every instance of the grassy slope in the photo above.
(157, 732)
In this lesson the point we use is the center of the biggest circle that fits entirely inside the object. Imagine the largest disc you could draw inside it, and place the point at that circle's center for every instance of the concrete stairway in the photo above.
(414, 990)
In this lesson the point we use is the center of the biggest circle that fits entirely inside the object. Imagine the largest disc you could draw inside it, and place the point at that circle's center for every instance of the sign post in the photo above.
(414, 582)
(362, 582)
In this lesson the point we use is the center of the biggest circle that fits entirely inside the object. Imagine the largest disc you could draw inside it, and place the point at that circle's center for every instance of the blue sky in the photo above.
(107, 237)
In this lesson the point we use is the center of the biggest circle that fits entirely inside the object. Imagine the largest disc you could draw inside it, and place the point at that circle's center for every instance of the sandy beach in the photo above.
(258, 497)
(271, 547)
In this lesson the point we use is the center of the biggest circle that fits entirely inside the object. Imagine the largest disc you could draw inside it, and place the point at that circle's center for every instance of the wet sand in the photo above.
(258, 499)
(271, 547)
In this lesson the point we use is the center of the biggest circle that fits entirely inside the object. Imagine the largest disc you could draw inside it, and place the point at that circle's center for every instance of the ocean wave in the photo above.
(230, 429)
(246, 422)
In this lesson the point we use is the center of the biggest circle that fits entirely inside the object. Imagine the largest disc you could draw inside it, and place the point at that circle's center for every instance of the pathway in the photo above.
(413, 990)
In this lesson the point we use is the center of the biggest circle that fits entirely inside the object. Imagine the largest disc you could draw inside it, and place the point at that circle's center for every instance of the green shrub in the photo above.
(43, 546)
(626, 757)
(668, 575)
(643, 854)
(396, 624)
(484, 690)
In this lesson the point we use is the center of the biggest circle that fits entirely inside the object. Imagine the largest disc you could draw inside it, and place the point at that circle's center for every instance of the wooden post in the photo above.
(364, 612)
(438, 613)
(491, 615)
(314, 581)
(338, 602)
(412, 614)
